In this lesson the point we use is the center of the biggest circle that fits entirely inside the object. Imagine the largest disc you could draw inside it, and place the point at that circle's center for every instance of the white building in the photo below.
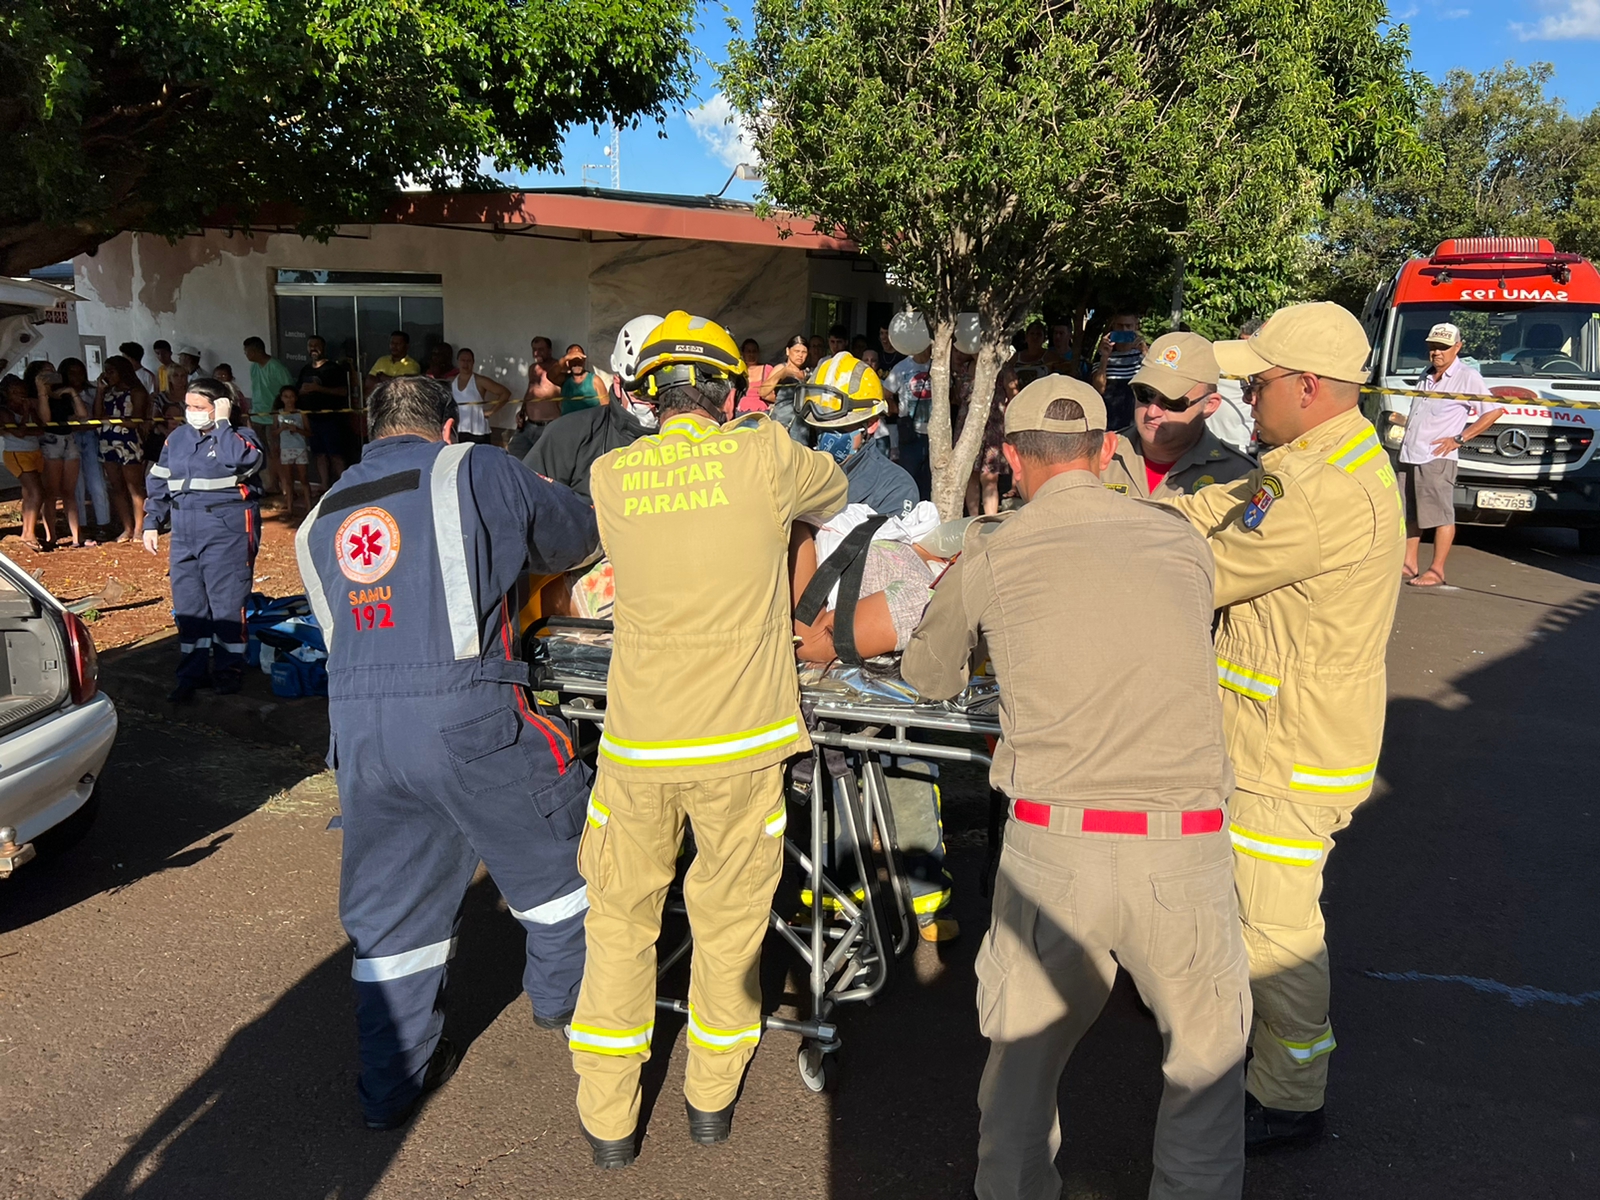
(484, 271)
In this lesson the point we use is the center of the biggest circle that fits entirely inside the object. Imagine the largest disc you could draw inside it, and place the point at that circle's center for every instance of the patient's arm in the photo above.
(874, 632)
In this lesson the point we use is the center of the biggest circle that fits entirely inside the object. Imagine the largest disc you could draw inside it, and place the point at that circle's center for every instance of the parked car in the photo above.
(56, 726)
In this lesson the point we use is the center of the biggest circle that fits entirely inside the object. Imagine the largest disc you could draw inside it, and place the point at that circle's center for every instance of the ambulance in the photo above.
(1529, 316)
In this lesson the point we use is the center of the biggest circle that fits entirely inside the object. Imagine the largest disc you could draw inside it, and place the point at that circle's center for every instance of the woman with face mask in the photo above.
(208, 480)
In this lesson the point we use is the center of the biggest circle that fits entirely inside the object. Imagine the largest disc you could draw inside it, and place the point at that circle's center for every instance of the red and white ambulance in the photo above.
(1530, 319)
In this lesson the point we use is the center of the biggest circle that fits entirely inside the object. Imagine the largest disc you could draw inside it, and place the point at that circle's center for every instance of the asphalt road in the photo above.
(175, 1012)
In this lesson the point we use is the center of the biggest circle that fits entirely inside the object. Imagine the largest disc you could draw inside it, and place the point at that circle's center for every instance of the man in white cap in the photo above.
(1436, 430)
(1168, 450)
(1307, 550)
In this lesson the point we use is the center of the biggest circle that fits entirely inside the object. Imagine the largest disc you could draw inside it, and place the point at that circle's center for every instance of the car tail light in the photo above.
(83, 661)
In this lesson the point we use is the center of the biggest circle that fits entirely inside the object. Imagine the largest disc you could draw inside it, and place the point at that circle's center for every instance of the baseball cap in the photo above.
(1176, 362)
(1027, 408)
(186, 348)
(1322, 338)
(1444, 334)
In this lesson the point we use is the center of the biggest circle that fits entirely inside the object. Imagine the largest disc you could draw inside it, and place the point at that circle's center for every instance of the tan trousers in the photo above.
(1280, 848)
(1068, 908)
(628, 856)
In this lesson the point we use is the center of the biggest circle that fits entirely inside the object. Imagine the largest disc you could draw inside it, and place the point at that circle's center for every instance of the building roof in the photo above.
(592, 214)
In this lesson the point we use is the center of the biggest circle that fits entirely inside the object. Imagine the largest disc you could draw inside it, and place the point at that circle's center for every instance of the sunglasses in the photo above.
(1144, 394)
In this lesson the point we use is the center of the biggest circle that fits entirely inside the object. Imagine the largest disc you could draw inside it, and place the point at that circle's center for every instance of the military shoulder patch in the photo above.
(1203, 481)
(1117, 487)
(1256, 511)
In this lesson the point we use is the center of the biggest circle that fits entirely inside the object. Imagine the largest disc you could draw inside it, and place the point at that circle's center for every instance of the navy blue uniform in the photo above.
(881, 485)
(442, 756)
(209, 480)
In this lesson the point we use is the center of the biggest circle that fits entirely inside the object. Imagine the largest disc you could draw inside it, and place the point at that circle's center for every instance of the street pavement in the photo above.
(175, 1007)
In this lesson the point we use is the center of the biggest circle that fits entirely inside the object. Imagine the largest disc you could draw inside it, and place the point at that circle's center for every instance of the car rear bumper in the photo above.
(48, 769)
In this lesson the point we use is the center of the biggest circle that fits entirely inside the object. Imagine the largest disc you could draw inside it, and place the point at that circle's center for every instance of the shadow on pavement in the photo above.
(275, 1114)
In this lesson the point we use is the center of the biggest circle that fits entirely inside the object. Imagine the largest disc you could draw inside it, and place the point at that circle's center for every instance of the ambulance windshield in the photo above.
(1544, 341)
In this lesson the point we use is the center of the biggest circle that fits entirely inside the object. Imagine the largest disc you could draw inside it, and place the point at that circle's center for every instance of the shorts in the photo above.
(293, 454)
(58, 447)
(1429, 489)
(327, 437)
(20, 462)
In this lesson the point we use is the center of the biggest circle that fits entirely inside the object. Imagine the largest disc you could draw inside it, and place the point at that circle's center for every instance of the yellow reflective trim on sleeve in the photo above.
(1359, 449)
(712, 1038)
(930, 902)
(778, 822)
(1306, 1052)
(598, 1040)
(599, 814)
(1255, 685)
(700, 751)
(1343, 779)
(1292, 851)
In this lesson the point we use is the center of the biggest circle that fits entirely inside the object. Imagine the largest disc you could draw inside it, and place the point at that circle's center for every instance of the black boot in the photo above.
(560, 1021)
(446, 1058)
(610, 1155)
(709, 1128)
(1270, 1128)
(181, 694)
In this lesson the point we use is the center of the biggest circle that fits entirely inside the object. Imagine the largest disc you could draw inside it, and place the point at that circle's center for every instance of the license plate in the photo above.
(1507, 501)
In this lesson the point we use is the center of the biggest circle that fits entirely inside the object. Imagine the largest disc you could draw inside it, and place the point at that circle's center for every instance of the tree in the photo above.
(1504, 158)
(980, 148)
(150, 114)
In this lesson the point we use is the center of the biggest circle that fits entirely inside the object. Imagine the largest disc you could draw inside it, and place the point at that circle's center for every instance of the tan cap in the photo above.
(1322, 338)
(1026, 410)
(1443, 334)
(1176, 363)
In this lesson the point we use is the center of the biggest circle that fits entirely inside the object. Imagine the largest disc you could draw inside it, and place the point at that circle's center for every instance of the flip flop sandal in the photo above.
(1408, 575)
(1438, 580)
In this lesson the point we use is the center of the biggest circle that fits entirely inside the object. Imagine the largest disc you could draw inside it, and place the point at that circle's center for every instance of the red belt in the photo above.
(1106, 820)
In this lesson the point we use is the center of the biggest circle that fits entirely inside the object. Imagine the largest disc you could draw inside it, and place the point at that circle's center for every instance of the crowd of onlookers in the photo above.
(92, 476)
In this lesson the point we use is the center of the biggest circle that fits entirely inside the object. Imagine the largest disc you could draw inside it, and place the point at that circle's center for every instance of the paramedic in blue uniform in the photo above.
(442, 755)
(208, 479)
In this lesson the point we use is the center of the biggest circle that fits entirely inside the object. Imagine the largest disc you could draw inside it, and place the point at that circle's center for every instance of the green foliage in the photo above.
(147, 114)
(983, 150)
(1503, 158)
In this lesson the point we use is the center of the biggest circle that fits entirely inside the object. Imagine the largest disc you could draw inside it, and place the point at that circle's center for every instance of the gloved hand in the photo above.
(223, 409)
(152, 539)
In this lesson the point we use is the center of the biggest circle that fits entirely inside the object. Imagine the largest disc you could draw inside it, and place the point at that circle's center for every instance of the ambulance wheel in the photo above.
(819, 1071)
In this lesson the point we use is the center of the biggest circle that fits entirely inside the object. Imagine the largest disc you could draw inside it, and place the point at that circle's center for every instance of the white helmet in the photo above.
(625, 354)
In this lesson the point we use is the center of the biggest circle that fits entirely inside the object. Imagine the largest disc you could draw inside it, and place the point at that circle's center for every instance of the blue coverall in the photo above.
(209, 480)
(442, 756)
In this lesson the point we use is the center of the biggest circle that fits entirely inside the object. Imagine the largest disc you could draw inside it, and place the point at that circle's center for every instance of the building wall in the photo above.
(215, 290)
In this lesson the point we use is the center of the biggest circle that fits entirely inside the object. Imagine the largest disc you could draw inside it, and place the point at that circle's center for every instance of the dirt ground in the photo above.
(143, 606)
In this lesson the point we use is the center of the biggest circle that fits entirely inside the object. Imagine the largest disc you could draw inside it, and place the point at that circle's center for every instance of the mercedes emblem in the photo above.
(1513, 443)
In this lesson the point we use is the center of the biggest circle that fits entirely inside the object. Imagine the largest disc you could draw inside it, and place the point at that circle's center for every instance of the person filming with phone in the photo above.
(1121, 355)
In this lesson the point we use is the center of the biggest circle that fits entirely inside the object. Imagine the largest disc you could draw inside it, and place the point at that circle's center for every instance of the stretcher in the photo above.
(855, 916)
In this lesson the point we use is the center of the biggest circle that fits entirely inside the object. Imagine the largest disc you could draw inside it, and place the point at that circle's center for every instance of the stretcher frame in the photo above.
(848, 952)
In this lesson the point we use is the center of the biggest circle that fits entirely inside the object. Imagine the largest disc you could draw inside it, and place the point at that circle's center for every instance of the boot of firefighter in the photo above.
(914, 801)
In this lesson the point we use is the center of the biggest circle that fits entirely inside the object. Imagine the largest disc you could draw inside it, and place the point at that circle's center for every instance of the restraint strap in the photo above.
(845, 566)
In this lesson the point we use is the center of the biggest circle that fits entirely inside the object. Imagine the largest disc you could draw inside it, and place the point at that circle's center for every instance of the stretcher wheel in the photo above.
(819, 1069)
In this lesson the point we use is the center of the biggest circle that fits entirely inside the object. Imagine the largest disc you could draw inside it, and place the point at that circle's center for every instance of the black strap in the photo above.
(845, 566)
(358, 494)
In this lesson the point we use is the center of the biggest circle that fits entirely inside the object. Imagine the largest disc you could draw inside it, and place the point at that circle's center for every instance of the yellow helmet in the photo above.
(843, 392)
(685, 350)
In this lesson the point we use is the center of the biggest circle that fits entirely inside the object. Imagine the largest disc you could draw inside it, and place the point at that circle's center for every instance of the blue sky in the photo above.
(699, 150)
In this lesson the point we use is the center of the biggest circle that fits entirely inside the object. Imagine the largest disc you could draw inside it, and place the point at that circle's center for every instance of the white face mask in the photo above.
(199, 418)
(644, 414)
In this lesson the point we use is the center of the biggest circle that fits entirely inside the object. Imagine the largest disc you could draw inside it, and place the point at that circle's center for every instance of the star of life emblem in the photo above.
(367, 544)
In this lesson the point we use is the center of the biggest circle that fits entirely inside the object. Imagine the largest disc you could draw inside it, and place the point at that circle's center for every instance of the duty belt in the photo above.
(1164, 823)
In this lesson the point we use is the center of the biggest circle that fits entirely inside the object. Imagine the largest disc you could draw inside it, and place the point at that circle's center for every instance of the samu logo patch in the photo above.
(1256, 511)
(367, 544)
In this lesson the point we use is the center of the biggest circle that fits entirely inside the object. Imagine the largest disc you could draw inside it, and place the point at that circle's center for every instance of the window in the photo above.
(354, 312)
(1545, 341)
(828, 311)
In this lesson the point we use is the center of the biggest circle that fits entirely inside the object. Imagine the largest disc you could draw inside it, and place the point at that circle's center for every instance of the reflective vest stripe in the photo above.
(1318, 779)
(610, 1041)
(1359, 449)
(721, 1039)
(408, 962)
(1305, 1052)
(1294, 852)
(559, 909)
(451, 547)
(310, 580)
(778, 822)
(1254, 684)
(699, 751)
(599, 814)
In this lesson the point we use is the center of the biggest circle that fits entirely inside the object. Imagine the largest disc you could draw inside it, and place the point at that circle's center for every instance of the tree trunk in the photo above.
(950, 481)
(944, 336)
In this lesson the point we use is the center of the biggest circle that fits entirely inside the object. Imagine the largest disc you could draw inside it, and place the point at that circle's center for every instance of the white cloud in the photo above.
(718, 127)
(1455, 14)
(1405, 14)
(1575, 20)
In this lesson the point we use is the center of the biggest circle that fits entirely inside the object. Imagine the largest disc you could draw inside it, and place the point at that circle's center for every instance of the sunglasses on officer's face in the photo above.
(1144, 394)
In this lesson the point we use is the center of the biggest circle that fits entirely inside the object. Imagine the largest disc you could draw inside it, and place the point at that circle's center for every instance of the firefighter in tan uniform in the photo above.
(703, 707)
(1117, 851)
(1308, 550)
(1168, 451)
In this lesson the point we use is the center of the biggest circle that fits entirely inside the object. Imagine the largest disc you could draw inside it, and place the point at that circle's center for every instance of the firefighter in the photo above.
(208, 479)
(703, 707)
(844, 403)
(1308, 550)
(442, 755)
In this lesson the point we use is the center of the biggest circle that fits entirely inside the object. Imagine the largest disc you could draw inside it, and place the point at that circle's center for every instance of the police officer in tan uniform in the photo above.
(1308, 550)
(1168, 451)
(1116, 851)
(703, 707)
